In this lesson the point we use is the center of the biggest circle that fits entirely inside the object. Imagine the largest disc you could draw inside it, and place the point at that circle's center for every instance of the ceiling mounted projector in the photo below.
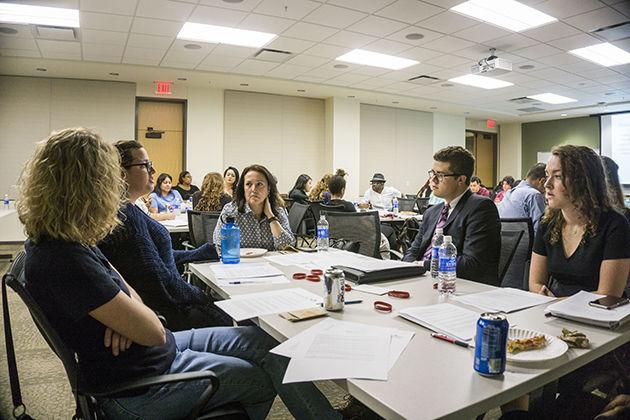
(492, 66)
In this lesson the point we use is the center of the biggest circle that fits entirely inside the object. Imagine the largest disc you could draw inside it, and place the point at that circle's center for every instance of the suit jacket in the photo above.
(475, 228)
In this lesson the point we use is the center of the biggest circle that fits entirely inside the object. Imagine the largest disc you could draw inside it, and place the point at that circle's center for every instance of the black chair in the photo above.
(288, 202)
(422, 204)
(509, 242)
(297, 221)
(331, 207)
(315, 207)
(517, 274)
(86, 396)
(406, 204)
(201, 226)
(362, 227)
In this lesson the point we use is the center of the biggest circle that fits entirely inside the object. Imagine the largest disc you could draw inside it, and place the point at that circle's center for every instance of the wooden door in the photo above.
(167, 153)
(484, 158)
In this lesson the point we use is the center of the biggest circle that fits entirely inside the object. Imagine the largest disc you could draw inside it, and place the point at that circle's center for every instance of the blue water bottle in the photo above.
(230, 242)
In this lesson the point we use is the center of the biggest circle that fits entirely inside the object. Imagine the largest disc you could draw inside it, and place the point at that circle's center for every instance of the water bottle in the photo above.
(448, 266)
(176, 206)
(438, 239)
(190, 203)
(395, 206)
(230, 242)
(322, 234)
(6, 202)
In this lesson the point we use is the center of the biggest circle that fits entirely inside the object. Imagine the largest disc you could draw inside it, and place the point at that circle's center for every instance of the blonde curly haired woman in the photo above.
(103, 320)
(211, 197)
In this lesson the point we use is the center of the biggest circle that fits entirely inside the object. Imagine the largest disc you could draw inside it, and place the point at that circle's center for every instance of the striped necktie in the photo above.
(440, 224)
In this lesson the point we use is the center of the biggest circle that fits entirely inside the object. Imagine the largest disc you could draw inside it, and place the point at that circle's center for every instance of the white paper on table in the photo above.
(178, 221)
(340, 353)
(252, 305)
(290, 259)
(367, 288)
(253, 280)
(244, 271)
(444, 318)
(504, 299)
(577, 308)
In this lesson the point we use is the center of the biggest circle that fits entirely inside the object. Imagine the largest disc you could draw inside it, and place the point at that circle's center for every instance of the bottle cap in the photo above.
(230, 219)
(448, 239)
(439, 230)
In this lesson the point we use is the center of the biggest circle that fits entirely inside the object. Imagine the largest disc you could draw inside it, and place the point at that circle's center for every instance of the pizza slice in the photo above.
(525, 344)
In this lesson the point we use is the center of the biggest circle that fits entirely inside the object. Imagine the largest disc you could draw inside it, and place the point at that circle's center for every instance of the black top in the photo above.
(186, 194)
(69, 280)
(348, 207)
(580, 271)
(298, 196)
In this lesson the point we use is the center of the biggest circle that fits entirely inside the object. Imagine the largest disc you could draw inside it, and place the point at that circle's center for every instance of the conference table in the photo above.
(432, 378)
(11, 229)
(177, 225)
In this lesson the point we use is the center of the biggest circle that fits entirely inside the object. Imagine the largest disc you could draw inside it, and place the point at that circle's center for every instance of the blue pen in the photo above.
(352, 302)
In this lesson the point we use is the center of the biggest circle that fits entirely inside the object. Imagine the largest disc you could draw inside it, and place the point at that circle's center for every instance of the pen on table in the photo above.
(450, 340)
(348, 302)
(248, 282)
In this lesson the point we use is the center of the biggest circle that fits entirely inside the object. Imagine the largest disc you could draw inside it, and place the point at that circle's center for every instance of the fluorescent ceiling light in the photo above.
(604, 54)
(480, 81)
(507, 14)
(374, 59)
(39, 15)
(224, 35)
(552, 98)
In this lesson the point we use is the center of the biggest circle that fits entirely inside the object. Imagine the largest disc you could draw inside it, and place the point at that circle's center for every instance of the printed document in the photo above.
(444, 318)
(244, 271)
(252, 305)
(253, 280)
(504, 299)
(577, 308)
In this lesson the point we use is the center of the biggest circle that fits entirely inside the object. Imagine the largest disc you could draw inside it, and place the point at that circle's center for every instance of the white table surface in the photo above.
(432, 378)
(11, 229)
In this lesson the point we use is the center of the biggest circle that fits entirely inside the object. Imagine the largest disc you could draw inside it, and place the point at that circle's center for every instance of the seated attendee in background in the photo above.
(378, 195)
(230, 177)
(582, 242)
(478, 188)
(299, 192)
(164, 198)
(184, 187)
(470, 219)
(116, 337)
(141, 250)
(526, 199)
(263, 221)
(212, 196)
(507, 183)
(337, 188)
(425, 190)
(615, 193)
(320, 191)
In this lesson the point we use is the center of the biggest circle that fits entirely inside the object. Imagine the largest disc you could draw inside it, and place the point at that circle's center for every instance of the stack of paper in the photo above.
(335, 349)
(577, 308)
(324, 260)
(253, 305)
(444, 318)
(244, 271)
(178, 221)
(504, 299)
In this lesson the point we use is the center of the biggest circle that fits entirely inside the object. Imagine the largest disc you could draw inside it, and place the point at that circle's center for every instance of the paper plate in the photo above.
(554, 348)
(252, 252)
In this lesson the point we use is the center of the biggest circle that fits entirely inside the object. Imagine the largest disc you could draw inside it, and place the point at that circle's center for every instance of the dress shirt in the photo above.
(383, 200)
(454, 202)
(522, 201)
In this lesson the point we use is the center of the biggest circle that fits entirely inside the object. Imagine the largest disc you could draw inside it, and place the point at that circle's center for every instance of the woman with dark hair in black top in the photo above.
(184, 185)
(231, 177)
(299, 192)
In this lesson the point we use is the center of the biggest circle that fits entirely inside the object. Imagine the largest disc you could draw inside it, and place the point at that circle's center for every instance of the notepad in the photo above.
(504, 299)
(576, 308)
(444, 318)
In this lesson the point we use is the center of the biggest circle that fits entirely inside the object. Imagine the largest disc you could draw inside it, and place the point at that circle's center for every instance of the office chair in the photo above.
(509, 243)
(363, 227)
(517, 274)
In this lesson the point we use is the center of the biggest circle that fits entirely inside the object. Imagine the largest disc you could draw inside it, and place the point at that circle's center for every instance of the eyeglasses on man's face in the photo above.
(148, 165)
(440, 176)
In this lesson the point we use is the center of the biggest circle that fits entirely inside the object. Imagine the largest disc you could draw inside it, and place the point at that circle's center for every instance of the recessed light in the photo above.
(340, 66)
(414, 36)
(244, 84)
(604, 54)
(114, 74)
(563, 115)
(552, 98)
(39, 15)
(301, 90)
(224, 35)
(374, 59)
(508, 14)
(395, 102)
(8, 31)
(183, 79)
(526, 67)
(40, 69)
(480, 81)
(351, 96)
(192, 46)
(446, 85)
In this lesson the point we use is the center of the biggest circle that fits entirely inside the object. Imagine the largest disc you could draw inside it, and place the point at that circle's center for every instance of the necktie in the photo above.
(440, 224)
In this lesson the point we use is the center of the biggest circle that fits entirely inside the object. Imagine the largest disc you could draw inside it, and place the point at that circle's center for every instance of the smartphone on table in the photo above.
(609, 302)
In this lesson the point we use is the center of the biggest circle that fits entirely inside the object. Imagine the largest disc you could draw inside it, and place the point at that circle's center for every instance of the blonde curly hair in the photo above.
(71, 188)
(211, 192)
(317, 193)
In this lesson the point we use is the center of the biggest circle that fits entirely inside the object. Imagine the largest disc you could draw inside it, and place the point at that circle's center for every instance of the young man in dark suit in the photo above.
(470, 219)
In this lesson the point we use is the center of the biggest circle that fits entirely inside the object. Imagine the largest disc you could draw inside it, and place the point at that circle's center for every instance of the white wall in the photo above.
(448, 130)
(343, 125)
(510, 148)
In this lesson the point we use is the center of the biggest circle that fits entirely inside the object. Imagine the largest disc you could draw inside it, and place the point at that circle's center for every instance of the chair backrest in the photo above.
(517, 273)
(422, 204)
(411, 196)
(331, 207)
(316, 207)
(201, 226)
(406, 204)
(288, 202)
(297, 212)
(509, 242)
(362, 227)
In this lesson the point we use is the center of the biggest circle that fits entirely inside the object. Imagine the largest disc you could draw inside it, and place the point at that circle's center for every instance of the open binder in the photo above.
(358, 276)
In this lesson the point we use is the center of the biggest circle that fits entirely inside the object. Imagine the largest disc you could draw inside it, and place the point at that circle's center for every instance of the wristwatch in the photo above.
(272, 219)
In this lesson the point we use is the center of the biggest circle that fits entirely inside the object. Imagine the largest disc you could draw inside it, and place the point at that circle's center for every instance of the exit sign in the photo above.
(490, 123)
(163, 88)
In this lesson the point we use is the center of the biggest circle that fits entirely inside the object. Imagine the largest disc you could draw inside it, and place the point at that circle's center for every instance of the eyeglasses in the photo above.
(148, 165)
(440, 176)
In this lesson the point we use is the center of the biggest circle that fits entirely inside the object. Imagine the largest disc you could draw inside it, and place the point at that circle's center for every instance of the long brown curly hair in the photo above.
(211, 191)
(317, 192)
(585, 183)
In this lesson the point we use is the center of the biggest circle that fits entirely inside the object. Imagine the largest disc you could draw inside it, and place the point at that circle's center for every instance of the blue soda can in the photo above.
(491, 344)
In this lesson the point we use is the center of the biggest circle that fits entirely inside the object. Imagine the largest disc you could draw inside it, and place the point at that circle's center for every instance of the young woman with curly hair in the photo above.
(582, 242)
(211, 197)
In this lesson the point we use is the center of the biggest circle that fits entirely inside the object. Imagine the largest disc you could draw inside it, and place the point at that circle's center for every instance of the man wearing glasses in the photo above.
(470, 219)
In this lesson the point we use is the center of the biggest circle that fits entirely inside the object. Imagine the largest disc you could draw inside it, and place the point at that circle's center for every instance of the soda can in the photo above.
(491, 344)
(334, 282)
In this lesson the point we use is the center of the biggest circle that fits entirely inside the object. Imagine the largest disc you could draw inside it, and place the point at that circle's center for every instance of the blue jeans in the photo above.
(247, 372)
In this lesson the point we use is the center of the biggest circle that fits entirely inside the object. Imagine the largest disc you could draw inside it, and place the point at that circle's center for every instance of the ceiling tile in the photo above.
(179, 56)
(254, 67)
(512, 42)
(155, 27)
(292, 45)
(367, 6)
(263, 23)
(60, 49)
(334, 16)
(164, 9)
(288, 71)
(23, 31)
(180, 45)
(351, 78)
(448, 44)
(149, 41)
(102, 50)
(423, 68)
(295, 9)
(575, 41)
(376, 26)
(246, 5)
(551, 31)
(350, 39)
(216, 16)
(234, 51)
(447, 22)
(410, 11)
(596, 19)
(323, 73)
(561, 60)
(420, 54)
(564, 8)
(373, 83)
(117, 7)
(308, 60)
(622, 7)
(8, 52)
(17, 43)
(427, 35)
(537, 51)
(310, 78)
(309, 31)
(328, 51)
(477, 52)
(554, 75)
(447, 4)
(449, 61)
(481, 33)
(103, 37)
(151, 61)
(215, 60)
(624, 44)
(105, 22)
(144, 53)
(385, 46)
(371, 71)
(168, 62)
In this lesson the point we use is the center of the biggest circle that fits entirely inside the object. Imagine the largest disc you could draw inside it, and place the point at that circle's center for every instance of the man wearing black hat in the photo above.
(380, 196)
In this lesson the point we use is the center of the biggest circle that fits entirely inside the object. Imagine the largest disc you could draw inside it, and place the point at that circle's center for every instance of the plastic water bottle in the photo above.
(6, 202)
(395, 206)
(190, 203)
(322, 234)
(176, 206)
(230, 242)
(438, 239)
(448, 266)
